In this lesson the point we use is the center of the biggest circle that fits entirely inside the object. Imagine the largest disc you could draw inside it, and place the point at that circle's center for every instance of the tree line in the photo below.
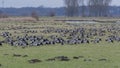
(97, 8)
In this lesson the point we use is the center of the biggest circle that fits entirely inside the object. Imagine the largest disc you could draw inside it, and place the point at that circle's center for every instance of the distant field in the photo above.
(86, 55)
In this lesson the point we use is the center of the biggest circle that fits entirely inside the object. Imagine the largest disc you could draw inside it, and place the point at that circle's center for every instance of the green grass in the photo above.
(95, 52)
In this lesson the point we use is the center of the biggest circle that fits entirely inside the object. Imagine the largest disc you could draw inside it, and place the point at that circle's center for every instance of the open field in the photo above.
(59, 44)
(95, 52)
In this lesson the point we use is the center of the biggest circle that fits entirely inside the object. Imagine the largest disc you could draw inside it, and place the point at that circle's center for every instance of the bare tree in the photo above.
(51, 13)
(98, 7)
(82, 8)
(35, 15)
(72, 7)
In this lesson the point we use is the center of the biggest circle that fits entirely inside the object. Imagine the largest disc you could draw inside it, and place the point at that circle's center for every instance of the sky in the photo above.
(38, 3)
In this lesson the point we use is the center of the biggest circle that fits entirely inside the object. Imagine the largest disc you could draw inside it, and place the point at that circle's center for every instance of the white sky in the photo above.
(37, 3)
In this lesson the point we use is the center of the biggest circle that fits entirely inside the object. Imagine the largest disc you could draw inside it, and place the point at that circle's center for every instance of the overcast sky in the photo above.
(37, 3)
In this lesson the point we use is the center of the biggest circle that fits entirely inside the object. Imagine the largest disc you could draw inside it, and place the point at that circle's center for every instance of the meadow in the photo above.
(86, 55)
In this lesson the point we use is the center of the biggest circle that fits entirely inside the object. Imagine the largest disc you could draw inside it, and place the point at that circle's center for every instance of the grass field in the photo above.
(99, 55)
(111, 52)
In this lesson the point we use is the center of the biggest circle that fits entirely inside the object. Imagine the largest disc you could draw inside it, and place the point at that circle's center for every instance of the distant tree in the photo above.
(35, 15)
(3, 14)
(72, 7)
(52, 14)
(83, 8)
(98, 7)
